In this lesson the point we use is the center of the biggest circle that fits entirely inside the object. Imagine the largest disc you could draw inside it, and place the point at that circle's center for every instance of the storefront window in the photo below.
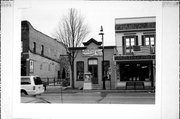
(136, 71)
(80, 70)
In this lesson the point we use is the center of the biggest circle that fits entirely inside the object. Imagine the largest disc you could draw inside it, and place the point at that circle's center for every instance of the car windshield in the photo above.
(37, 80)
(25, 81)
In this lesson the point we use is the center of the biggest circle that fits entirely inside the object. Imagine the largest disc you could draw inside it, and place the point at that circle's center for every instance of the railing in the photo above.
(135, 85)
(145, 50)
(53, 81)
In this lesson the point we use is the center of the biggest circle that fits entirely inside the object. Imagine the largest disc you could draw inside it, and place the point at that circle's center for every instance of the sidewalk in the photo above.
(59, 89)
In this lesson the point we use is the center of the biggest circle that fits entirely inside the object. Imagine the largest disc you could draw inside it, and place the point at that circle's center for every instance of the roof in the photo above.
(92, 40)
(26, 22)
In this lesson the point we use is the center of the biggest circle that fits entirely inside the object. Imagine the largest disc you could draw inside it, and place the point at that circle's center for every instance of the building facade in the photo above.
(41, 54)
(89, 59)
(135, 63)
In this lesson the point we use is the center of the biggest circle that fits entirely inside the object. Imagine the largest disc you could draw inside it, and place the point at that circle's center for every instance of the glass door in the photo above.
(93, 68)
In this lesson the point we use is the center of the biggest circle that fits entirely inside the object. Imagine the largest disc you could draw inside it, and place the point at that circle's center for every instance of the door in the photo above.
(94, 70)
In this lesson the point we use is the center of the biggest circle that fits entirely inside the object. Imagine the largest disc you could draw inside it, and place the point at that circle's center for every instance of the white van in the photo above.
(31, 85)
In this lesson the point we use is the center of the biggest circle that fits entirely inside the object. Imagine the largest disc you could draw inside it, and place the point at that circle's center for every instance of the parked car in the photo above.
(31, 85)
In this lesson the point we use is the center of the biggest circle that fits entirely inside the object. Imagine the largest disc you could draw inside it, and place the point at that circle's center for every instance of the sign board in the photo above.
(87, 86)
(31, 66)
(92, 52)
(87, 81)
(135, 26)
(134, 57)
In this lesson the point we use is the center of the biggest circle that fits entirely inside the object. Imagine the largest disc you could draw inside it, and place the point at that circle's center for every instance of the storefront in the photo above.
(135, 72)
(89, 59)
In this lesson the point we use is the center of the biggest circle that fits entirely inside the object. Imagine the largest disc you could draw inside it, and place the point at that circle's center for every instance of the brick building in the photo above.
(89, 59)
(40, 54)
(135, 62)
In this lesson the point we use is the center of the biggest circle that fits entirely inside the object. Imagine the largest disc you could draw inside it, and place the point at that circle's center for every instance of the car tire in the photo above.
(23, 93)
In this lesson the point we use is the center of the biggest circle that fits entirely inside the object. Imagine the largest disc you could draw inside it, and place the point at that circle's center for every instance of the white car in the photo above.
(31, 85)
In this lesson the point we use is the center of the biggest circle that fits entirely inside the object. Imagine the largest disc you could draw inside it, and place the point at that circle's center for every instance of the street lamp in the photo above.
(103, 78)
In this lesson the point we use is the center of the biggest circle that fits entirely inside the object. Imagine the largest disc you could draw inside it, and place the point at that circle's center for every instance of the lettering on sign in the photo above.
(134, 57)
(135, 26)
(92, 52)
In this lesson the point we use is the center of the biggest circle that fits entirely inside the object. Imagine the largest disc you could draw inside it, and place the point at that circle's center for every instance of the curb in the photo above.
(58, 90)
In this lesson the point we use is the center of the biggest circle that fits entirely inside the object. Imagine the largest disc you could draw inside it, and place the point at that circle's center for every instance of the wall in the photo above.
(46, 65)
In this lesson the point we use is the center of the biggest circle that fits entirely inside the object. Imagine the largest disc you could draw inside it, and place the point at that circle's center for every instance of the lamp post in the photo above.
(103, 78)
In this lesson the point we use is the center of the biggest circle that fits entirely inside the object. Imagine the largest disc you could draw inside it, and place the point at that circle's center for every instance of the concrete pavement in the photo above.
(100, 98)
(31, 99)
(57, 94)
(59, 89)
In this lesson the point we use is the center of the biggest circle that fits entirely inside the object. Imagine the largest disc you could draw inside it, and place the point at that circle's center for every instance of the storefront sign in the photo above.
(134, 57)
(92, 52)
(135, 26)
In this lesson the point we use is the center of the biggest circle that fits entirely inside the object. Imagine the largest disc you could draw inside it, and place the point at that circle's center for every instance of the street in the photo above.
(94, 97)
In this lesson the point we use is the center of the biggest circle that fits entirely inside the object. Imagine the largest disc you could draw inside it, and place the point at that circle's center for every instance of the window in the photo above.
(152, 41)
(128, 43)
(34, 47)
(25, 81)
(106, 68)
(148, 40)
(37, 81)
(80, 70)
(42, 49)
(92, 62)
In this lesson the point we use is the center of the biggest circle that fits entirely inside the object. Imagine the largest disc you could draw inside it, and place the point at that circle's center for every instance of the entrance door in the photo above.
(93, 68)
(94, 71)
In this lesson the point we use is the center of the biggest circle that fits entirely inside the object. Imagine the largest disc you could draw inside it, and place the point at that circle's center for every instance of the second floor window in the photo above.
(42, 50)
(34, 47)
(148, 40)
(128, 43)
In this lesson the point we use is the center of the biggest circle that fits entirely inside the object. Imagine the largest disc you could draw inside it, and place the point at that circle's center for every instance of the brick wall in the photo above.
(46, 64)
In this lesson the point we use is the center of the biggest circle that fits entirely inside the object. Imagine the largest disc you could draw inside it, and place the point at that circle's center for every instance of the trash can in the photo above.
(87, 81)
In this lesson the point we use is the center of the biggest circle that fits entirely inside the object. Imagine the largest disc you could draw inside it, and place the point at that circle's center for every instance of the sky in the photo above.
(44, 16)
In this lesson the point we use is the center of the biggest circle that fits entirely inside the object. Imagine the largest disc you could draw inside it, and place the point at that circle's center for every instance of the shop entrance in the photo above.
(93, 68)
(135, 73)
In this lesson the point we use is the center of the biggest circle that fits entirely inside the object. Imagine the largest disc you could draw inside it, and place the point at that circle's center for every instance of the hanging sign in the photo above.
(31, 66)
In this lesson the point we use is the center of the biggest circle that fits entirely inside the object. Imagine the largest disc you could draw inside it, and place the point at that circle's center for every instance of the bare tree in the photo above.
(71, 32)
